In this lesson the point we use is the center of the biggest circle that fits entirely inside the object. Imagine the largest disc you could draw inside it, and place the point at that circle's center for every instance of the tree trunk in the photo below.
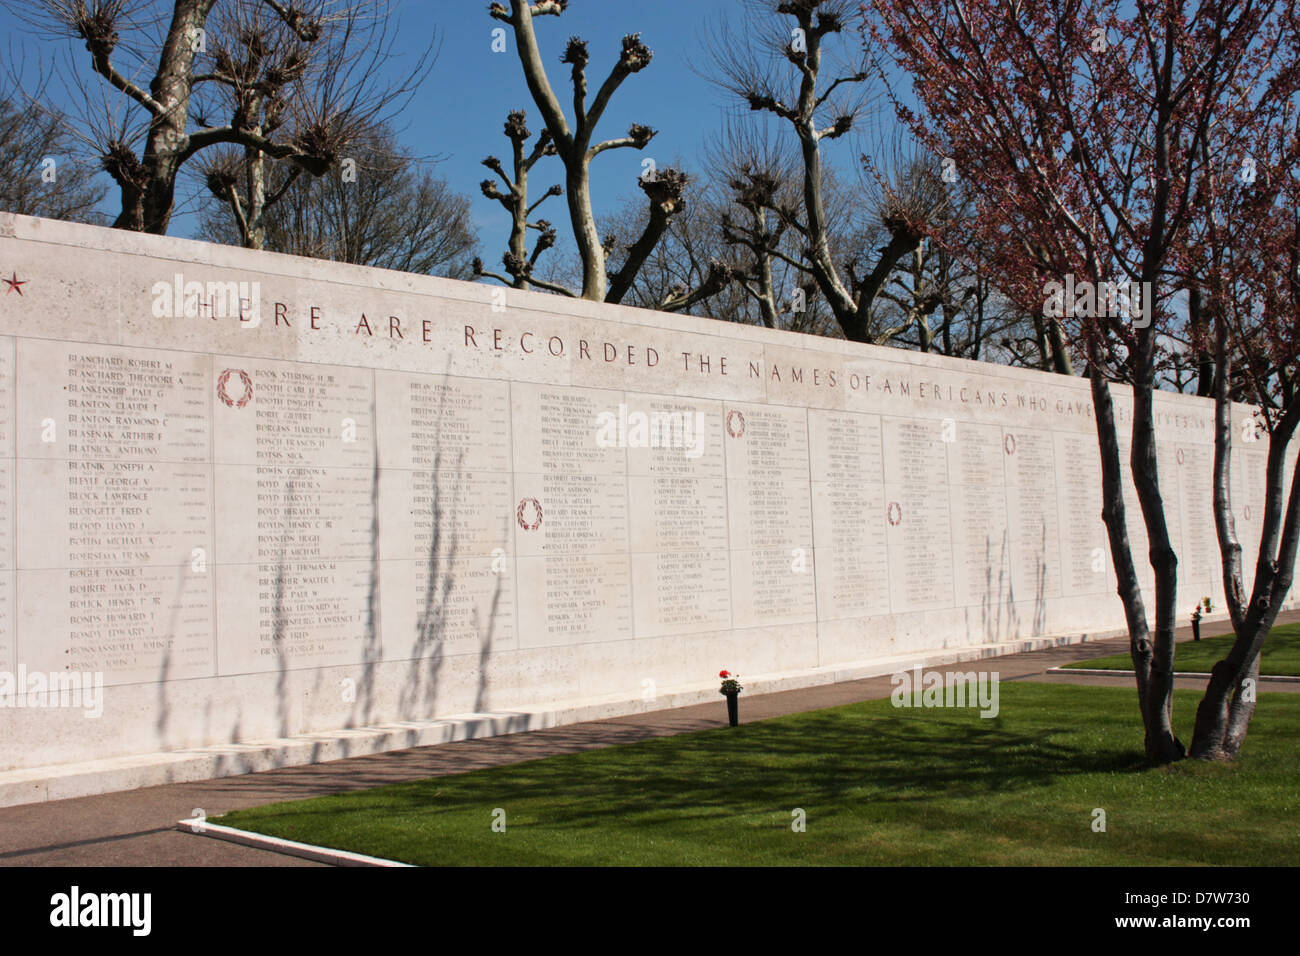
(255, 163)
(1223, 715)
(132, 215)
(592, 253)
(1061, 363)
(1040, 340)
(518, 244)
(766, 288)
(818, 250)
(1198, 324)
(767, 293)
(167, 138)
(924, 337)
(1113, 514)
(160, 194)
(1243, 706)
(1162, 745)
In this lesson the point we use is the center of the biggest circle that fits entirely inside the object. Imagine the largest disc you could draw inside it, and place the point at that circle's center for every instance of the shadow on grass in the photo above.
(827, 758)
(1280, 656)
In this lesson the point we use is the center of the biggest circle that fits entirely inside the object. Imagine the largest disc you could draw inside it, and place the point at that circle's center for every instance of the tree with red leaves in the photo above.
(1242, 263)
(1085, 131)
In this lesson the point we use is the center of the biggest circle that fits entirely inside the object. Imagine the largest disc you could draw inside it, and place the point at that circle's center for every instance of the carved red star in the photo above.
(14, 284)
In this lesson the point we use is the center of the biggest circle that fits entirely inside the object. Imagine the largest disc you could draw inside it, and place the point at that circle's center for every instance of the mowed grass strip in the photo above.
(1280, 657)
(879, 786)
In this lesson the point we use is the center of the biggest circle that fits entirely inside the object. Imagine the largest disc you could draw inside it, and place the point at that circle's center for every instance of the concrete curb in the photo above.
(259, 841)
(1123, 673)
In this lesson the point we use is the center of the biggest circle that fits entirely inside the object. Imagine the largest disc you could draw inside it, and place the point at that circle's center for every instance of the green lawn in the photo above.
(879, 785)
(1281, 654)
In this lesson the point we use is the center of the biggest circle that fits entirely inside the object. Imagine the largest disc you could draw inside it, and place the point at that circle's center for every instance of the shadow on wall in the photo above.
(999, 616)
(998, 599)
(485, 646)
(418, 697)
(365, 691)
(438, 620)
(164, 670)
(1040, 583)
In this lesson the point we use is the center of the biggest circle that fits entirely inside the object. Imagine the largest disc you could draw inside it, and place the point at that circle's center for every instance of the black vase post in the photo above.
(1196, 628)
(733, 709)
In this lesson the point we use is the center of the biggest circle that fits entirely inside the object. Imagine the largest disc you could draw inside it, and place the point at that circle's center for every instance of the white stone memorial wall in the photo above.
(345, 496)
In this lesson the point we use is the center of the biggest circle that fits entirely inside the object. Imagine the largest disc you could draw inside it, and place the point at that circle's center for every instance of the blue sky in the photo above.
(472, 89)
(458, 113)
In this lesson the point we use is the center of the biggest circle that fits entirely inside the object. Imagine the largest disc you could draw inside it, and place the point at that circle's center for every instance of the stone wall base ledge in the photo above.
(89, 778)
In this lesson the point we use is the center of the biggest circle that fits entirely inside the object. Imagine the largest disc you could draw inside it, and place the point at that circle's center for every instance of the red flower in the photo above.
(723, 674)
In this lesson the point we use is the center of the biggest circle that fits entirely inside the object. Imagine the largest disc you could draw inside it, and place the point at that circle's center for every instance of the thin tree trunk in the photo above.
(1161, 743)
(590, 251)
(1113, 514)
(1223, 715)
(255, 163)
(1243, 704)
(1197, 325)
(1061, 363)
(767, 307)
(519, 214)
(1040, 339)
(767, 292)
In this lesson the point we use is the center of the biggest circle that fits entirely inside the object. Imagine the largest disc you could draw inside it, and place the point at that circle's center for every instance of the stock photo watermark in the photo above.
(680, 430)
(926, 689)
(1116, 300)
(191, 299)
(77, 908)
(54, 689)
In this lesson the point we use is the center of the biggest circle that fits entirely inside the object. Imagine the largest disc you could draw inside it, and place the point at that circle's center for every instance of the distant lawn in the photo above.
(1281, 656)
(879, 785)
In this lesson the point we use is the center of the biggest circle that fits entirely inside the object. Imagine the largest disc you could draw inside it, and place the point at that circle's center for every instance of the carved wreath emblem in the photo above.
(245, 381)
(523, 509)
(1009, 444)
(735, 423)
(894, 514)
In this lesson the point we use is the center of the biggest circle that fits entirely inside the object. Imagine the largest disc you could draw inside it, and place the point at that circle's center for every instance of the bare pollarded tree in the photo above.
(576, 145)
(518, 262)
(292, 80)
(940, 296)
(950, 307)
(760, 177)
(666, 249)
(765, 226)
(383, 207)
(781, 59)
(689, 251)
(695, 269)
(254, 54)
(665, 192)
(38, 176)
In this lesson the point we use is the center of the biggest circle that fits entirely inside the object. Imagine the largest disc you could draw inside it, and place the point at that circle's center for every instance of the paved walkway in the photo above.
(137, 827)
